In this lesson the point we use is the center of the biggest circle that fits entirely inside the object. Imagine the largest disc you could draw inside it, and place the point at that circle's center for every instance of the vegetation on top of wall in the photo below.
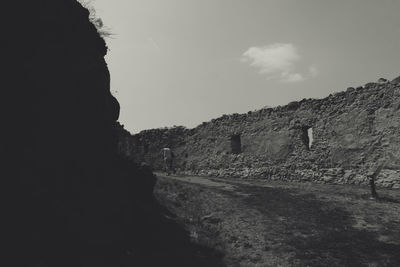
(102, 29)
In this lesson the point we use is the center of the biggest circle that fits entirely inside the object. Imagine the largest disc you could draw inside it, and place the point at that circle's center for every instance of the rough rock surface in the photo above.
(353, 131)
(69, 197)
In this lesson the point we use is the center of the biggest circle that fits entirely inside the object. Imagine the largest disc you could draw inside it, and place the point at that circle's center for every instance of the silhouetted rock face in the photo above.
(352, 131)
(68, 194)
(69, 197)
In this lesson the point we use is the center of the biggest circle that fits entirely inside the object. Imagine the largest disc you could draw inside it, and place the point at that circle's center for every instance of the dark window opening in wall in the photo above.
(307, 137)
(145, 148)
(236, 144)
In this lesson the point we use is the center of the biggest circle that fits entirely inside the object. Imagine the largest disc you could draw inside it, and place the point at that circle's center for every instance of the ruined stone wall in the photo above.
(146, 147)
(353, 131)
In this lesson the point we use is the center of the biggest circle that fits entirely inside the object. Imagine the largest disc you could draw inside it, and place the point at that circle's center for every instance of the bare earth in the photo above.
(264, 223)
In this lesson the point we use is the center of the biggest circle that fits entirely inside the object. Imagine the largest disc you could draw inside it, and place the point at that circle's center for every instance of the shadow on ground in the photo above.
(319, 233)
(388, 200)
(69, 197)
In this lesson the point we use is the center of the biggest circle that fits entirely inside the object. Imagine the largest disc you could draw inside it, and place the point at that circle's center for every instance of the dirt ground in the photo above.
(264, 223)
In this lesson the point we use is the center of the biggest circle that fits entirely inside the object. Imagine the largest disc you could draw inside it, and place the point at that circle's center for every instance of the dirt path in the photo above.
(259, 223)
(200, 181)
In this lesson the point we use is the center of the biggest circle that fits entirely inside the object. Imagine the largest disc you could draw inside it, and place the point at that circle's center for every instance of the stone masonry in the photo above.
(353, 131)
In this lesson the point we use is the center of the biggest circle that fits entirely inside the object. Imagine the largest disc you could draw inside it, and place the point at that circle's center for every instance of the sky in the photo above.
(183, 62)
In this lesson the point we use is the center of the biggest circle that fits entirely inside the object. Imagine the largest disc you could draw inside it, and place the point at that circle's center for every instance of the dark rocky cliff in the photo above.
(352, 133)
(70, 199)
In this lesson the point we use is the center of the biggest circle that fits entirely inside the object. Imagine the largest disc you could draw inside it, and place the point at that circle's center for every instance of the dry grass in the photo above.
(278, 224)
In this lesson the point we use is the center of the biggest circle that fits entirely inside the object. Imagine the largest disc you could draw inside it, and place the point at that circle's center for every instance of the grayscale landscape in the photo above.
(200, 133)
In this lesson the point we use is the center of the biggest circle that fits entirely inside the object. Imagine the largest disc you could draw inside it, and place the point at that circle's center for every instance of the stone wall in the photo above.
(353, 132)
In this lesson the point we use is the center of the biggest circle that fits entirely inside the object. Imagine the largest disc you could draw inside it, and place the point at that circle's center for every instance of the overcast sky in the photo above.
(182, 62)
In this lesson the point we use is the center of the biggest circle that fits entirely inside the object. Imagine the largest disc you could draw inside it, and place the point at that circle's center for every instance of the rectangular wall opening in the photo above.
(236, 144)
(307, 137)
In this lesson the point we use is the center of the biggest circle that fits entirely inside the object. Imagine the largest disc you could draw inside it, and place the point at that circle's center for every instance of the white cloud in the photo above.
(277, 61)
(292, 77)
